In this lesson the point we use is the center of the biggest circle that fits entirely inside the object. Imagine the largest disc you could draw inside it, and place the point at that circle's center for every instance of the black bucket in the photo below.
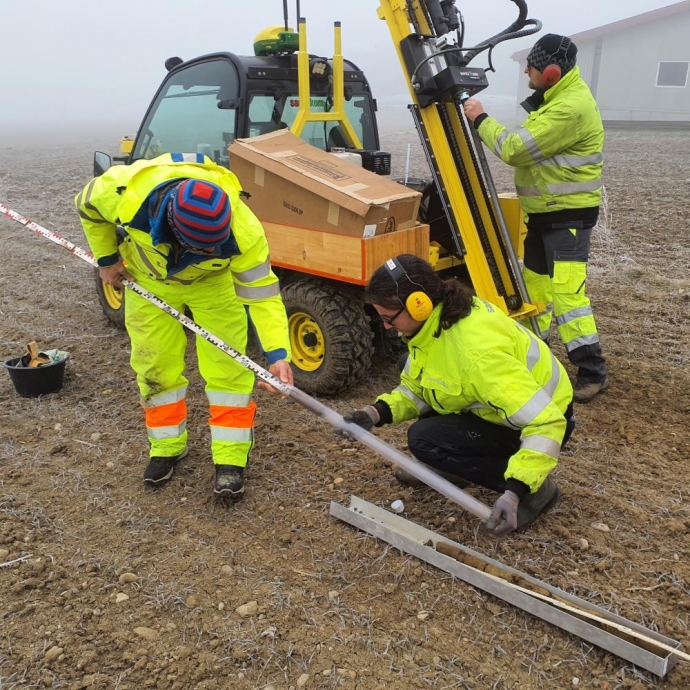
(30, 382)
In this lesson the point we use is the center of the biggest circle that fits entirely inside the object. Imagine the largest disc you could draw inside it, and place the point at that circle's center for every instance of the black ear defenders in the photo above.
(552, 72)
(418, 304)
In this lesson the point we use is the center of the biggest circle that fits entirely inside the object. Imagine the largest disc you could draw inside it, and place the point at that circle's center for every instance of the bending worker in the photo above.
(192, 242)
(492, 403)
(557, 156)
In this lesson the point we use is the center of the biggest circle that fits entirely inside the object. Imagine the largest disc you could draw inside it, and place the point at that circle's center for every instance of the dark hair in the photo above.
(456, 297)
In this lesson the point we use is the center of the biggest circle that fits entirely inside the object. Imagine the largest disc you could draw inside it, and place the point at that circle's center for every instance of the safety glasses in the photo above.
(389, 319)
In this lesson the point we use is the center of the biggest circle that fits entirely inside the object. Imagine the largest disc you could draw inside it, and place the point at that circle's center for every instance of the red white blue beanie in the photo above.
(199, 213)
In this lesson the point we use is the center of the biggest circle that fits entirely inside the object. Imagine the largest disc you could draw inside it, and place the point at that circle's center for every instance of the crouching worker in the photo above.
(493, 405)
(191, 241)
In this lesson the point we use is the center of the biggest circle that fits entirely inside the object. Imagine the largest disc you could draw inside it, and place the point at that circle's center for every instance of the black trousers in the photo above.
(469, 447)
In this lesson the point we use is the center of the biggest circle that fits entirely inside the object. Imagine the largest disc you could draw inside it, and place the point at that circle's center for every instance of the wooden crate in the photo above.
(339, 257)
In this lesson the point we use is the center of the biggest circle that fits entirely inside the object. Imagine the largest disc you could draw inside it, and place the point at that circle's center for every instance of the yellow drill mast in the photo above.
(438, 83)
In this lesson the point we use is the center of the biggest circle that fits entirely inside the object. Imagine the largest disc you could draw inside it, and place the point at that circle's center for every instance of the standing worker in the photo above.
(557, 156)
(192, 242)
(492, 403)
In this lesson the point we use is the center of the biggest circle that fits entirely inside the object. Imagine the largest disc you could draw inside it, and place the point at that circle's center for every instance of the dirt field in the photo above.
(105, 584)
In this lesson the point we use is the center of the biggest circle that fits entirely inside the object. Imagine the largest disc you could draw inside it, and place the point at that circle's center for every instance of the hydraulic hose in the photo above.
(421, 472)
(515, 30)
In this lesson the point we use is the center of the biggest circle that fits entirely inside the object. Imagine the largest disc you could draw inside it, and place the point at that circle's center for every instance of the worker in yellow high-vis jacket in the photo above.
(191, 241)
(491, 403)
(557, 155)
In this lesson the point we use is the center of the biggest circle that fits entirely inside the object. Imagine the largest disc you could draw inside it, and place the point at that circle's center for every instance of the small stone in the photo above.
(58, 427)
(4, 553)
(126, 578)
(147, 633)
(338, 480)
(302, 680)
(584, 544)
(52, 654)
(110, 465)
(423, 615)
(676, 557)
(347, 673)
(576, 681)
(192, 601)
(120, 597)
(333, 597)
(221, 605)
(247, 610)
(96, 436)
(602, 527)
(326, 672)
(227, 570)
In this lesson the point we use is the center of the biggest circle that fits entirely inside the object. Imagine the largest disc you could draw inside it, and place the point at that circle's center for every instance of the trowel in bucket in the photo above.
(33, 358)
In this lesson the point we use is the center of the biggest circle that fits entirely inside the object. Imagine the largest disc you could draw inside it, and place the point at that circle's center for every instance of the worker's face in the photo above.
(535, 78)
(398, 319)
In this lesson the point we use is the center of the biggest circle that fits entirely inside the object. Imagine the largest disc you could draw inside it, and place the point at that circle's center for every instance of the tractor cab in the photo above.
(205, 103)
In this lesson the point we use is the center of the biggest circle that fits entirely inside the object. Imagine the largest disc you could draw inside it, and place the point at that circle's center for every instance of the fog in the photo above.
(89, 68)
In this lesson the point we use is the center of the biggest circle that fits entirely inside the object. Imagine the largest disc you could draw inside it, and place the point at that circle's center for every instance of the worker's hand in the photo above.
(473, 109)
(281, 370)
(366, 418)
(503, 518)
(113, 275)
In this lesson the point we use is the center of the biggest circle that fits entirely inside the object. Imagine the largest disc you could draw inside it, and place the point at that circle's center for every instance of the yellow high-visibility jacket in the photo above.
(557, 151)
(123, 196)
(489, 365)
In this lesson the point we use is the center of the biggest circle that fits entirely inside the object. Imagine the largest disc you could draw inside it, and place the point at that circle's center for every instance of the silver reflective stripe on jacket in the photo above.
(528, 141)
(564, 161)
(263, 292)
(561, 188)
(541, 444)
(422, 407)
(84, 200)
(253, 274)
(530, 410)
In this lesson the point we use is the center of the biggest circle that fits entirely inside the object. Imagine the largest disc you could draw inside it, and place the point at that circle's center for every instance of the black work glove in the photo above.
(503, 518)
(366, 418)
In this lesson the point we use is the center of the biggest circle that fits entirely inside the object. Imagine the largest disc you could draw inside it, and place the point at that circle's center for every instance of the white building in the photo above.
(637, 68)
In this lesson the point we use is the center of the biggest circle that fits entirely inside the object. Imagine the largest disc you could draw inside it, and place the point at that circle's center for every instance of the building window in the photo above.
(673, 74)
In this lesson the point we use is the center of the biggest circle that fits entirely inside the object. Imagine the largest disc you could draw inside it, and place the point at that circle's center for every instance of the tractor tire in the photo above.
(112, 301)
(330, 337)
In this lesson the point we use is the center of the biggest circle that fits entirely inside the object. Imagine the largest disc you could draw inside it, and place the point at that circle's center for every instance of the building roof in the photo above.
(661, 13)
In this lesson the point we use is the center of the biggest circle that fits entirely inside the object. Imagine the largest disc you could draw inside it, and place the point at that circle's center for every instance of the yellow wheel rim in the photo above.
(306, 341)
(113, 295)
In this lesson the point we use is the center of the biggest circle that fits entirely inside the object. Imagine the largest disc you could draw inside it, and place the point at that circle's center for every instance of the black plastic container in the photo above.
(30, 382)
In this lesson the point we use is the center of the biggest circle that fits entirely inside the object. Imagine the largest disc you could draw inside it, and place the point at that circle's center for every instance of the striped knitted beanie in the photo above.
(553, 49)
(199, 213)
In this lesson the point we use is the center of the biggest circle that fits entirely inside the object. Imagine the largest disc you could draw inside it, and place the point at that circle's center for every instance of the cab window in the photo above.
(195, 112)
(267, 115)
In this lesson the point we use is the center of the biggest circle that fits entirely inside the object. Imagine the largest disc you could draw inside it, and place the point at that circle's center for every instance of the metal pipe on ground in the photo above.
(393, 455)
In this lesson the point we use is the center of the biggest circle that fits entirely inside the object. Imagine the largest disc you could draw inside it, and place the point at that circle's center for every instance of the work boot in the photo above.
(160, 469)
(585, 390)
(533, 505)
(406, 478)
(229, 481)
